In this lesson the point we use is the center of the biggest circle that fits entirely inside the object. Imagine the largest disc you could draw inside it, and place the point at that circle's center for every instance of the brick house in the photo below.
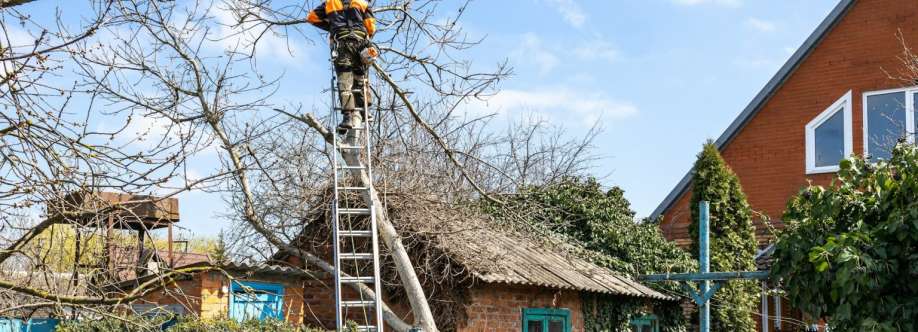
(835, 97)
(254, 292)
(495, 279)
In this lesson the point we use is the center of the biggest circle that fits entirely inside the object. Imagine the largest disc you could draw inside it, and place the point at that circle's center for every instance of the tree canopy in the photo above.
(848, 252)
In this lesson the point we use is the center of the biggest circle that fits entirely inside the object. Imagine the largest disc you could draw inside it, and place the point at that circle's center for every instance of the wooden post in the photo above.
(109, 252)
(76, 255)
(140, 235)
(171, 261)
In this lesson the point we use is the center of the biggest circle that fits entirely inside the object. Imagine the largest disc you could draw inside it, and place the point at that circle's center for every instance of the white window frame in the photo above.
(910, 93)
(843, 104)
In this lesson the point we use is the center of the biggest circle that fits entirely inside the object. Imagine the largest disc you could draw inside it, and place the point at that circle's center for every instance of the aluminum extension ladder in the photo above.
(356, 242)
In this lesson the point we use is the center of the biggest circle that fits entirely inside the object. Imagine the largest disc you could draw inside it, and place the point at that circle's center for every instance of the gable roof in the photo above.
(763, 96)
(495, 255)
(486, 251)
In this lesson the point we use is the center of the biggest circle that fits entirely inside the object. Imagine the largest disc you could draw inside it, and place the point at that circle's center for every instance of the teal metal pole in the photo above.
(704, 313)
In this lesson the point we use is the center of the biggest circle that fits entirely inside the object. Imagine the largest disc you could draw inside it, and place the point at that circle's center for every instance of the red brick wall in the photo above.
(205, 295)
(498, 308)
(768, 154)
(491, 307)
(188, 297)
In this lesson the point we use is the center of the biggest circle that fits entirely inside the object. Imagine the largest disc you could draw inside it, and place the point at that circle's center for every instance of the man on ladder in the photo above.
(351, 25)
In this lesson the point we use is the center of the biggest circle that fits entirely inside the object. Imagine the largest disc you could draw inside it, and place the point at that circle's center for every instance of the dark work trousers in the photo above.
(351, 72)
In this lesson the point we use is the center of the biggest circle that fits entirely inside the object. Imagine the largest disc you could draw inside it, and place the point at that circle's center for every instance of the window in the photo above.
(828, 137)
(889, 116)
(256, 300)
(546, 320)
(647, 323)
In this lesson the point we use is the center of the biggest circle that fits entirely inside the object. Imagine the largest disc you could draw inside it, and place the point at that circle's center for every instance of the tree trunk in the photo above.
(410, 281)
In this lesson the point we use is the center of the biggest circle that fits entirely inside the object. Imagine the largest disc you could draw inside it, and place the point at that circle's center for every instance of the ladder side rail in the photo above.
(339, 319)
(377, 284)
(370, 188)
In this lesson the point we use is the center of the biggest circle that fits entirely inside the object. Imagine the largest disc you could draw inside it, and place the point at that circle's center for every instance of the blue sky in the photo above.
(660, 76)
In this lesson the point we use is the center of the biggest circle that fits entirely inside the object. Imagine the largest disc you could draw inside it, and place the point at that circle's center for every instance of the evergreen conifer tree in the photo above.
(732, 239)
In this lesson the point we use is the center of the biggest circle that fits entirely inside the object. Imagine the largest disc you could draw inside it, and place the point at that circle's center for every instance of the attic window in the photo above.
(889, 116)
(828, 137)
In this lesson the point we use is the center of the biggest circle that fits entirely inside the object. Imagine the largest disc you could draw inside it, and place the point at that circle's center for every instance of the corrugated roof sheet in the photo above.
(501, 256)
(264, 268)
(491, 253)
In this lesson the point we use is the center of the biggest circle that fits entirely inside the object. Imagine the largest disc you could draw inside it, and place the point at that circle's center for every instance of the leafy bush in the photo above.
(732, 239)
(579, 211)
(140, 324)
(849, 252)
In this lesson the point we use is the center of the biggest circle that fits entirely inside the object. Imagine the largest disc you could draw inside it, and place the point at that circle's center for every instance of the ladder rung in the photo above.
(351, 167)
(350, 147)
(356, 233)
(366, 328)
(359, 109)
(357, 280)
(353, 188)
(354, 211)
(356, 304)
(348, 255)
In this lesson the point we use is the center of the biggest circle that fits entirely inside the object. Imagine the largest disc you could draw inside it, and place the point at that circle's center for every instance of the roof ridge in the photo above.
(763, 96)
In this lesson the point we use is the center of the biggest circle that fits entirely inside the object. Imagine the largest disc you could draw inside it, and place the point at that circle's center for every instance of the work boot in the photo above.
(351, 119)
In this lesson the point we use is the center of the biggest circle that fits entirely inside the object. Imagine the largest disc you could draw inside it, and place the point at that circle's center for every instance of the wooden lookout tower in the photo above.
(106, 212)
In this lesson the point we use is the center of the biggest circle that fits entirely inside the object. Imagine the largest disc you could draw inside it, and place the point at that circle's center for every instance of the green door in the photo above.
(546, 320)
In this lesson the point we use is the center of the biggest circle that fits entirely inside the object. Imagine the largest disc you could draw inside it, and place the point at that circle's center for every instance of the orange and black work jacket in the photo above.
(343, 17)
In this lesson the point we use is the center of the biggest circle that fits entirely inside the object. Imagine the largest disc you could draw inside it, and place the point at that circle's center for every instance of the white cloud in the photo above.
(571, 11)
(728, 3)
(597, 50)
(563, 103)
(761, 25)
(531, 51)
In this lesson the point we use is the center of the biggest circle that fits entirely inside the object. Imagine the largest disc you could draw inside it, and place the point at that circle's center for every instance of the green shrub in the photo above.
(112, 324)
(849, 252)
(140, 324)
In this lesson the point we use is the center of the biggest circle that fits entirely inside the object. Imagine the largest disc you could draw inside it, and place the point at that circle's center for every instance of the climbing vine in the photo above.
(849, 252)
(732, 239)
(579, 211)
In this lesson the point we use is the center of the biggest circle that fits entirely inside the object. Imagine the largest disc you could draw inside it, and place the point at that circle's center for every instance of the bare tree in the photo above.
(159, 75)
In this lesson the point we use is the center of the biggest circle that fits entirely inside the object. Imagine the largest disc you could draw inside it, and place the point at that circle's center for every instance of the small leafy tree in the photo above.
(849, 252)
(579, 211)
(732, 239)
